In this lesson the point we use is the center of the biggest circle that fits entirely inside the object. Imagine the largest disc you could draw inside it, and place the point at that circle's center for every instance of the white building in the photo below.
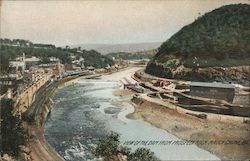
(17, 65)
(54, 59)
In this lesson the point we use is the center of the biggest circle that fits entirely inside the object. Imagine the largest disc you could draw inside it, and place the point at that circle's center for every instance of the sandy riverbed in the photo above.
(228, 141)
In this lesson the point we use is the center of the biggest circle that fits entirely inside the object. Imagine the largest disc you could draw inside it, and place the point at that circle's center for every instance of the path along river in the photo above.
(83, 113)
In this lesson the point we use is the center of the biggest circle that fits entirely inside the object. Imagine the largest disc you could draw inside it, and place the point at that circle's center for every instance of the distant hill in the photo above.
(146, 54)
(220, 38)
(112, 48)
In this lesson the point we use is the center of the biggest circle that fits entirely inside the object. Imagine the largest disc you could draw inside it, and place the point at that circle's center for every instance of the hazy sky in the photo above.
(64, 22)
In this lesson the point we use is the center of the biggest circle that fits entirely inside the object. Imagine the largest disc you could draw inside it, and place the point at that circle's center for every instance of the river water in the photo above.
(84, 113)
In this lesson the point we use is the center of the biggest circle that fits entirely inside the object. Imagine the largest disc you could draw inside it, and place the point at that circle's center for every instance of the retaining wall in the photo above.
(27, 98)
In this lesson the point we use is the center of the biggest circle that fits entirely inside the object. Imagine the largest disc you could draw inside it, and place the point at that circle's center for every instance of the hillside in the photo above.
(217, 39)
(114, 48)
(9, 49)
(95, 59)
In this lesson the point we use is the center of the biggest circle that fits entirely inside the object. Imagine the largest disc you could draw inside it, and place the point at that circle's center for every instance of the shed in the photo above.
(213, 90)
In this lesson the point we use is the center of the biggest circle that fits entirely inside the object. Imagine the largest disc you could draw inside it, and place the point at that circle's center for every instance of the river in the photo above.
(85, 112)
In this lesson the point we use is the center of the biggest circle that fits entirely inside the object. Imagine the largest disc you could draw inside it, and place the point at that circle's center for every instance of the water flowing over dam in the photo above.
(88, 110)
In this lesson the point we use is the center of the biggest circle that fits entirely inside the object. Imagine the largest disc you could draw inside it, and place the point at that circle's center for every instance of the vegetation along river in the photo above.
(84, 112)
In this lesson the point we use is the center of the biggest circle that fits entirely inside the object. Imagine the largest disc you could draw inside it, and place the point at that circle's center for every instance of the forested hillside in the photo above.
(220, 38)
(9, 49)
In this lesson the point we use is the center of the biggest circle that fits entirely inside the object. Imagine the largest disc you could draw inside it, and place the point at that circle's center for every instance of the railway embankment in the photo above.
(34, 118)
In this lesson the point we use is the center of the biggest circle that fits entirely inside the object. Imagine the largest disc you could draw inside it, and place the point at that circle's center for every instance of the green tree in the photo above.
(109, 149)
(108, 146)
(142, 154)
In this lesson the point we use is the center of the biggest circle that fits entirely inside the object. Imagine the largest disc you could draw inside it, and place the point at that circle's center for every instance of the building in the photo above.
(36, 70)
(54, 60)
(58, 70)
(10, 82)
(78, 62)
(213, 90)
(33, 75)
(91, 68)
(32, 61)
(17, 66)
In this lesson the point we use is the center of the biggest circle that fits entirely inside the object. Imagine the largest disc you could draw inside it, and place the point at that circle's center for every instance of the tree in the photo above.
(142, 154)
(109, 149)
(108, 146)
(45, 60)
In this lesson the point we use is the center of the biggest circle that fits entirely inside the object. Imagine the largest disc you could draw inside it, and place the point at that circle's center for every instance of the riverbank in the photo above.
(228, 141)
(36, 148)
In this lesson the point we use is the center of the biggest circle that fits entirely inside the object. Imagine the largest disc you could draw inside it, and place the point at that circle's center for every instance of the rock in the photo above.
(25, 149)
(95, 106)
(111, 110)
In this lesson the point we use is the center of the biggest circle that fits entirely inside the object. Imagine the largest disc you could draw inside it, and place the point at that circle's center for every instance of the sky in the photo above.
(64, 22)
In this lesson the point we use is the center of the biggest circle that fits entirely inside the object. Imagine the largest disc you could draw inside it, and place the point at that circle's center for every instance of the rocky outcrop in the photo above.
(239, 74)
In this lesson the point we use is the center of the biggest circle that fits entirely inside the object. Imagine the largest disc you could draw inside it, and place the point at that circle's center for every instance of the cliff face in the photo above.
(207, 49)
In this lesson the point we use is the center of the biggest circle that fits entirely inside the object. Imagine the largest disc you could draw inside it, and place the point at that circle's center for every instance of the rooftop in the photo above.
(211, 84)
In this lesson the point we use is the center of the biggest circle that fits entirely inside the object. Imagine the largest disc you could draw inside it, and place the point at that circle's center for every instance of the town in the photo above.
(23, 72)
